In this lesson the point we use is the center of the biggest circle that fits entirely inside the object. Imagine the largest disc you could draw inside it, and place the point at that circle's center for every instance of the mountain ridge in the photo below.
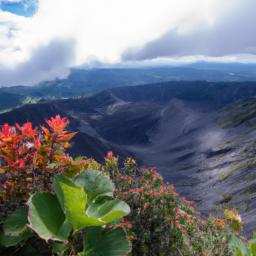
(83, 82)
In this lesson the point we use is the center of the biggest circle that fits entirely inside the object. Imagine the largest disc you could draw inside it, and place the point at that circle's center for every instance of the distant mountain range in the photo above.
(83, 82)
(199, 135)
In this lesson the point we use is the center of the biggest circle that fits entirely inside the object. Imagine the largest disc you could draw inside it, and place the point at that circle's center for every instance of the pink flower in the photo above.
(145, 206)
(109, 155)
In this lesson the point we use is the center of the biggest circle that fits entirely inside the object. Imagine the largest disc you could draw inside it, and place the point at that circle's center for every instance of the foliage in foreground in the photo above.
(163, 223)
(66, 206)
(75, 213)
(28, 159)
(69, 213)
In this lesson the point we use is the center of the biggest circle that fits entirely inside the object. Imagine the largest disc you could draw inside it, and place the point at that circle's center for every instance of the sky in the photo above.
(42, 39)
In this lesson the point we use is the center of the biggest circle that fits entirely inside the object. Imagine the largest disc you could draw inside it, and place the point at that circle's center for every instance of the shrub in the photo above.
(74, 207)
(80, 207)
(29, 157)
(162, 222)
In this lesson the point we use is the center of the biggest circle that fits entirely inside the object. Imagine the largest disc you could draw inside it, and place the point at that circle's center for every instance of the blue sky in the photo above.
(25, 8)
(41, 40)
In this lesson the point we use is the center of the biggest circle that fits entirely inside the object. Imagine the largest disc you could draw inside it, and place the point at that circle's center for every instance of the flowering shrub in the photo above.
(29, 157)
(51, 196)
(162, 222)
(37, 173)
(233, 219)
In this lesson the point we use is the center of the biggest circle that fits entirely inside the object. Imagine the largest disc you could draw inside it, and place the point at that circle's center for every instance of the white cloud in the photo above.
(232, 36)
(102, 30)
(45, 63)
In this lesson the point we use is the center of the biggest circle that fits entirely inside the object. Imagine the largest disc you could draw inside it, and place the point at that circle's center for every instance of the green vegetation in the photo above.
(13, 104)
(53, 204)
(73, 207)
(243, 248)
(30, 100)
(225, 198)
(241, 112)
(240, 166)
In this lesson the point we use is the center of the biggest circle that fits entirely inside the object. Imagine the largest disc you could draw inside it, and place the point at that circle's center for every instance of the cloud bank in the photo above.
(45, 63)
(232, 34)
(65, 33)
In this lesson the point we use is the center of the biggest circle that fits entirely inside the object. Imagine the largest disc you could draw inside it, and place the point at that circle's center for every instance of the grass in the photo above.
(239, 113)
(243, 165)
(223, 145)
(225, 198)
(28, 100)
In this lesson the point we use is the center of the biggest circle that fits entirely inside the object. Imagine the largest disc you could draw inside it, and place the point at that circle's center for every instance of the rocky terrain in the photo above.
(201, 136)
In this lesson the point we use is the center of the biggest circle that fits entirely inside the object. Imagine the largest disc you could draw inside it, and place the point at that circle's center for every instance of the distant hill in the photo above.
(83, 82)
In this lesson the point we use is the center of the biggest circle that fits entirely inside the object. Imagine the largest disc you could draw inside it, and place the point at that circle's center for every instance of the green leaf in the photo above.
(16, 223)
(253, 248)
(75, 202)
(58, 190)
(73, 199)
(239, 252)
(95, 183)
(46, 217)
(99, 242)
(15, 228)
(108, 211)
(8, 240)
(237, 246)
(59, 248)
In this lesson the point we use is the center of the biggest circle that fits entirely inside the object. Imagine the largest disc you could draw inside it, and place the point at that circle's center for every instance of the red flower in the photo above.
(37, 143)
(7, 131)
(125, 224)
(21, 163)
(129, 225)
(57, 124)
(145, 206)
(26, 129)
(186, 216)
(178, 213)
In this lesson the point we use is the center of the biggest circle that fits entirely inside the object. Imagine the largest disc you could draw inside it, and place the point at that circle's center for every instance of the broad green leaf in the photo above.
(65, 229)
(46, 217)
(59, 248)
(99, 242)
(109, 210)
(59, 192)
(95, 183)
(239, 252)
(8, 241)
(237, 246)
(253, 248)
(16, 223)
(75, 202)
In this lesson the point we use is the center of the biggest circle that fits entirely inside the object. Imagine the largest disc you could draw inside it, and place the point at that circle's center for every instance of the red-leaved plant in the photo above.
(29, 157)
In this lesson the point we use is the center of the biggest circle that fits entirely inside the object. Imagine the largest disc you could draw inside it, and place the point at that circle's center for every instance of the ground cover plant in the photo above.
(53, 204)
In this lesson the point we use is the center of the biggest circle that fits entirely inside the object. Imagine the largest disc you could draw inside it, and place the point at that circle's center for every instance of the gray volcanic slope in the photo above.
(201, 136)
